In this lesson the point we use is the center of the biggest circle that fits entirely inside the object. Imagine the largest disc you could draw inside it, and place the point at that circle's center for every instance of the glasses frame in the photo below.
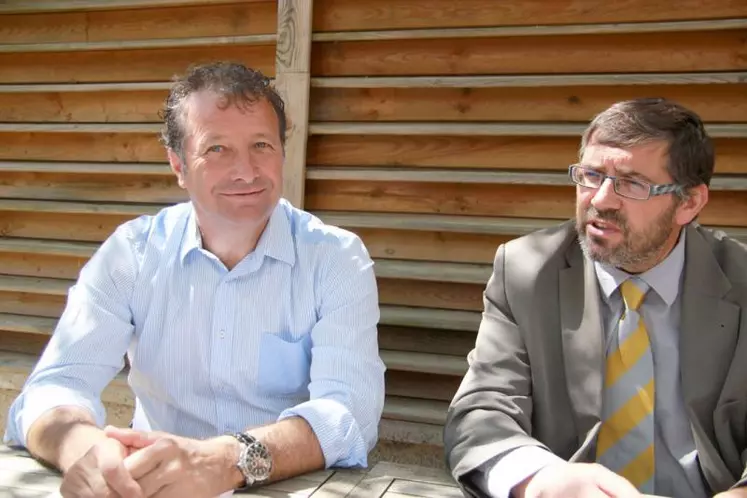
(653, 189)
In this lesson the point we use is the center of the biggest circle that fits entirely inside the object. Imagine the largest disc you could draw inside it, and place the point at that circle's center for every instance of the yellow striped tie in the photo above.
(626, 439)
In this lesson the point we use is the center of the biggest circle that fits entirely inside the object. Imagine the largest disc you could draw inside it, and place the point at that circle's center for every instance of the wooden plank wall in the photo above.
(436, 130)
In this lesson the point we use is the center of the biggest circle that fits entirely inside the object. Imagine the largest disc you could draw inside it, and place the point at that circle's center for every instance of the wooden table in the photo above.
(23, 477)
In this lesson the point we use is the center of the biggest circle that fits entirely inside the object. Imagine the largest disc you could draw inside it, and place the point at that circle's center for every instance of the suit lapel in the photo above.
(708, 337)
(582, 336)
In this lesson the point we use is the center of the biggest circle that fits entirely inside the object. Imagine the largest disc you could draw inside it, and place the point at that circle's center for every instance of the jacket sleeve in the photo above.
(491, 412)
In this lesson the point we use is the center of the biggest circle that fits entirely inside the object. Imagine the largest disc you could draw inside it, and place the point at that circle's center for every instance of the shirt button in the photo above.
(222, 334)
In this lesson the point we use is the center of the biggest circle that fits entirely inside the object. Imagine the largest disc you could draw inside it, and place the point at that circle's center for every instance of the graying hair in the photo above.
(234, 82)
(646, 120)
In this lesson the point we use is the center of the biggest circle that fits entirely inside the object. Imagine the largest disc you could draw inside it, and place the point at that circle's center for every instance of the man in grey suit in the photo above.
(612, 355)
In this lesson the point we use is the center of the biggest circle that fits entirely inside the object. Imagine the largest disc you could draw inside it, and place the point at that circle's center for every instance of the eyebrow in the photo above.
(623, 173)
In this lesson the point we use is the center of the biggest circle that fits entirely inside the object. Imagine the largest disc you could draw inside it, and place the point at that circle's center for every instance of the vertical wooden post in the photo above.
(292, 65)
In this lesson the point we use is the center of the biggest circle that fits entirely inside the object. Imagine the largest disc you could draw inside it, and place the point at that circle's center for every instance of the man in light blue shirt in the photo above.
(249, 325)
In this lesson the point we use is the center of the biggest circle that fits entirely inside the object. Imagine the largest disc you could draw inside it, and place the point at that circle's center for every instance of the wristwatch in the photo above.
(255, 460)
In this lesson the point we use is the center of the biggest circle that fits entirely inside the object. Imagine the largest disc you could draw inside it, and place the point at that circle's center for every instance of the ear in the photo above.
(690, 207)
(177, 166)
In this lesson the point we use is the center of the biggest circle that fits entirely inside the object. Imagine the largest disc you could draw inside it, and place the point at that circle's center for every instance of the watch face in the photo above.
(259, 461)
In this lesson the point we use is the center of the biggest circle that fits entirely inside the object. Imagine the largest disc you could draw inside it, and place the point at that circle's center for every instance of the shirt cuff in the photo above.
(336, 429)
(501, 474)
(39, 400)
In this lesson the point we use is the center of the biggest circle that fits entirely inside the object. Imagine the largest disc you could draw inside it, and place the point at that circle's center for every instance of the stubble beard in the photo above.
(637, 250)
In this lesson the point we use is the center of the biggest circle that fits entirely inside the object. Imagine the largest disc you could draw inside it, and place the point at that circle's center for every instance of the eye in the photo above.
(216, 148)
(261, 145)
(591, 175)
(634, 186)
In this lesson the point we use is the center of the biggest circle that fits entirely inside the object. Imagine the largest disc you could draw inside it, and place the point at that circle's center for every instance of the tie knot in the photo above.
(632, 294)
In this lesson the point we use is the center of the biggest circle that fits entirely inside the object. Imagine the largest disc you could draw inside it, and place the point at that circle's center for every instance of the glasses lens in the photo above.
(587, 177)
(632, 188)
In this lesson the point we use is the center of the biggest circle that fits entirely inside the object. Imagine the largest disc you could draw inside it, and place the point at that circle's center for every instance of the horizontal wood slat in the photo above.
(485, 129)
(533, 30)
(500, 129)
(125, 65)
(422, 385)
(724, 207)
(528, 153)
(427, 340)
(404, 316)
(183, 43)
(645, 52)
(118, 106)
(434, 272)
(714, 103)
(530, 81)
(100, 147)
(424, 175)
(44, 6)
(202, 19)
(84, 187)
(343, 15)
(431, 294)
(59, 167)
(441, 151)
(419, 245)
(424, 363)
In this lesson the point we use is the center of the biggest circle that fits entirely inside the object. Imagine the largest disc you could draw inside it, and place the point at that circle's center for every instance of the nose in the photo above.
(245, 168)
(605, 196)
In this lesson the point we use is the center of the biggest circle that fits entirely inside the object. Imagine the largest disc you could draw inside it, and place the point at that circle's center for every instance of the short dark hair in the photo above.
(645, 120)
(236, 83)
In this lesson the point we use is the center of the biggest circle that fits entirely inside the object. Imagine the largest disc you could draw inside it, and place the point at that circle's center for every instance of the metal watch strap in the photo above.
(249, 445)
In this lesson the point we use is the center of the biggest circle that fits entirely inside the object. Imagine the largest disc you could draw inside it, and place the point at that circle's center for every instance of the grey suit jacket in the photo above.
(535, 374)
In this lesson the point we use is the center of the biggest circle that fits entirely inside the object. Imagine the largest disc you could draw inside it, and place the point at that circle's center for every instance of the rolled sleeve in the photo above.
(338, 432)
(347, 374)
(88, 345)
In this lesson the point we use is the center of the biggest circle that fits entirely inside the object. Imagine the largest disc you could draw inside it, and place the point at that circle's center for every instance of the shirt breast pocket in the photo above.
(284, 365)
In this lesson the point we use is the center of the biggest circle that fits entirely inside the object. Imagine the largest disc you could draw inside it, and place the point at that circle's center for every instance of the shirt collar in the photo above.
(276, 240)
(664, 278)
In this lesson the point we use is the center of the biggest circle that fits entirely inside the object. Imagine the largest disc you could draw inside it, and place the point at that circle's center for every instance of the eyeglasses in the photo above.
(625, 187)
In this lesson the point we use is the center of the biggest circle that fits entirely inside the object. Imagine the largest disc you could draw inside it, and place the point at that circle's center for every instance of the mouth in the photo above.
(601, 228)
(243, 193)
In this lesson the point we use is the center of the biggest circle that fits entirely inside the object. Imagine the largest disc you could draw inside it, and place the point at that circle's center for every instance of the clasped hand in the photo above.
(132, 464)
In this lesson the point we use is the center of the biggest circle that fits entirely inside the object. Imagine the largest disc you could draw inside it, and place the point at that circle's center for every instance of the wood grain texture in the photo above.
(99, 188)
(630, 29)
(421, 385)
(27, 303)
(646, 52)
(444, 295)
(344, 15)
(724, 208)
(186, 21)
(292, 62)
(40, 265)
(91, 227)
(714, 103)
(46, 6)
(125, 65)
(427, 340)
(99, 147)
(532, 80)
(81, 107)
(515, 153)
(431, 246)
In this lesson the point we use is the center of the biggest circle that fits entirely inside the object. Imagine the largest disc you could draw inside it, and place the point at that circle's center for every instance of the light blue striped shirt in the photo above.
(289, 331)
